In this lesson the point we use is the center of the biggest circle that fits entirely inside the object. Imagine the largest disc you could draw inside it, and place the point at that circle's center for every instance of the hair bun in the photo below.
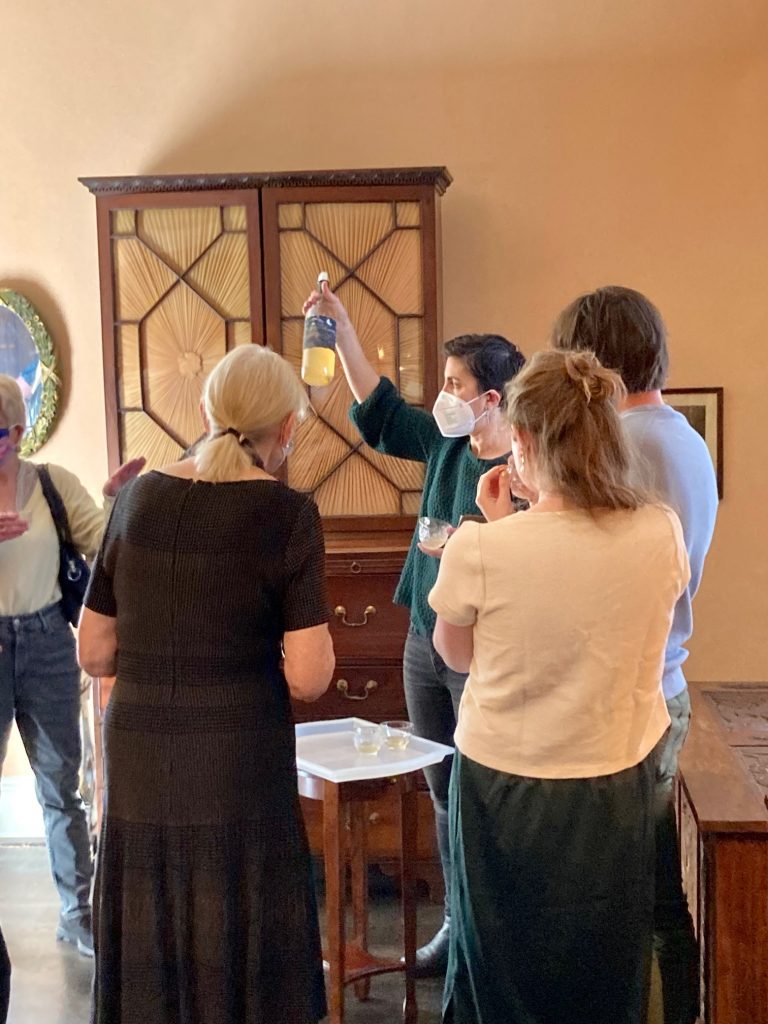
(589, 374)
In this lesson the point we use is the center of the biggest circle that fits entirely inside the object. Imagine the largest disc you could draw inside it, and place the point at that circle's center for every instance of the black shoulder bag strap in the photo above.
(73, 568)
(56, 505)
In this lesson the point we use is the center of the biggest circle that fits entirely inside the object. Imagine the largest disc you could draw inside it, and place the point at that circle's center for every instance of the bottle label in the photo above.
(320, 332)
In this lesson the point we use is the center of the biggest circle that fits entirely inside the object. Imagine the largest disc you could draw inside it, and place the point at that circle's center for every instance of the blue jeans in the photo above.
(432, 694)
(40, 688)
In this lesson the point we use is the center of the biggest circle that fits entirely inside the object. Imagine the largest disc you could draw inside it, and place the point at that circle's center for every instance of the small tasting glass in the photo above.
(397, 735)
(433, 533)
(368, 739)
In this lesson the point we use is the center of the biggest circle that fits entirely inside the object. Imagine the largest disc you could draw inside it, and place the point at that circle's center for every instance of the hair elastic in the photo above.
(244, 442)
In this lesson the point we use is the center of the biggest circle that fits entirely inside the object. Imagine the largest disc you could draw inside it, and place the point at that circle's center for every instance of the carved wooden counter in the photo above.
(723, 824)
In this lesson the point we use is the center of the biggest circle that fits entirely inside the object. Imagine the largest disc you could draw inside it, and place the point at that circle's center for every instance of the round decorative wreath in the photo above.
(37, 433)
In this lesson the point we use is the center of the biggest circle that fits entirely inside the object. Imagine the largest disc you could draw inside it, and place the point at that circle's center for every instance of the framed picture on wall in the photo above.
(703, 408)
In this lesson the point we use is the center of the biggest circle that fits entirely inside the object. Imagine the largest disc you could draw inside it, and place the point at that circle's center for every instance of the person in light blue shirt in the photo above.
(676, 465)
(627, 334)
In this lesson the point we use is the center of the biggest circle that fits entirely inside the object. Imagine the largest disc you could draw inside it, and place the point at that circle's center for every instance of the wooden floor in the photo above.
(51, 981)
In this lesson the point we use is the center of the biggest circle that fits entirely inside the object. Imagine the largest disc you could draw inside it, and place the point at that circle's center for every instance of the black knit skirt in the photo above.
(552, 901)
(204, 908)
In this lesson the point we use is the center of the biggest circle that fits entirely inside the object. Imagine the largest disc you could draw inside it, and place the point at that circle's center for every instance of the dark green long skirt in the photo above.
(552, 899)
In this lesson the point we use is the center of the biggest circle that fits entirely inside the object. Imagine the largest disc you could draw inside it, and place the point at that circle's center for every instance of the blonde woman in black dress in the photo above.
(204, 907)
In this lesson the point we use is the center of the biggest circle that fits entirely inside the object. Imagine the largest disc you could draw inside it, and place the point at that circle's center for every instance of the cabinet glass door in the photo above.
(182, 295)
(373, 252)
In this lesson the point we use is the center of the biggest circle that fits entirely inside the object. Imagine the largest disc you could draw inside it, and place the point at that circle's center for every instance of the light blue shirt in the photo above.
(675, 464)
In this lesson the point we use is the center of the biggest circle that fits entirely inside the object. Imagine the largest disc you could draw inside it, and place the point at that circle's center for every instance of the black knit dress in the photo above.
(204, 911)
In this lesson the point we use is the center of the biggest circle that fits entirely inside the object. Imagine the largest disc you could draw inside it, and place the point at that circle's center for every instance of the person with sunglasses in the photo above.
(39, 676)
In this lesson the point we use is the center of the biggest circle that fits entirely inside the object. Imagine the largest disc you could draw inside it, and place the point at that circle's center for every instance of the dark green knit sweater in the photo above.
(391, 426)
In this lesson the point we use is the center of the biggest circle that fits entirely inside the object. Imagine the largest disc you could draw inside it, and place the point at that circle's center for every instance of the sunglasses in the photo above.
(5, 431)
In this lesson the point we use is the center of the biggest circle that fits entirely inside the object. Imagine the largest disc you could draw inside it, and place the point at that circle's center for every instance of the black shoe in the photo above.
(432, 959)
(78, 932)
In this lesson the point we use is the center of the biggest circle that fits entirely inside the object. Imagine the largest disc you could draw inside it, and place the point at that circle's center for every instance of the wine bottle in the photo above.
(318, 361)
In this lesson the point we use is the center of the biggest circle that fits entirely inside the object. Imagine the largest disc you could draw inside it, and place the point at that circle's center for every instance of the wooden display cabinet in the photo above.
(191, 266)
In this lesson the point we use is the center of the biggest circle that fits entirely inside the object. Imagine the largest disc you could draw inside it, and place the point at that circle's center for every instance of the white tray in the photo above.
(327, 749)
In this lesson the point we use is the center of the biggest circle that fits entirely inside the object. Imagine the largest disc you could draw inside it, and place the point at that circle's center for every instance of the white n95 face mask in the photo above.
(454, 416)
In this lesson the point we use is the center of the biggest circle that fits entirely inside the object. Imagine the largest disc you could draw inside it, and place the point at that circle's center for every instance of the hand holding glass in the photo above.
(433, 533)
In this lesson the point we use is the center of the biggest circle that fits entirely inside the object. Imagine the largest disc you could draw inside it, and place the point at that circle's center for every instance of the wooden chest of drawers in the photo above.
(368, 636)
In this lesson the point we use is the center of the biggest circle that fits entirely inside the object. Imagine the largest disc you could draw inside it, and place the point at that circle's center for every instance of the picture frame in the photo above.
(703, 408)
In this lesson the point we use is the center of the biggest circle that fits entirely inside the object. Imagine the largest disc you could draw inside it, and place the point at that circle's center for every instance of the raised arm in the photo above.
(87, 519)
(385, 420)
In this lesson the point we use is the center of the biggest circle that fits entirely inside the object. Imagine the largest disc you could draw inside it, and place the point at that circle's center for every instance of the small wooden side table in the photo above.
(344, 816)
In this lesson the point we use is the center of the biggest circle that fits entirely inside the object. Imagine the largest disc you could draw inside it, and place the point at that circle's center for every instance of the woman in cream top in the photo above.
(561, 615)
(39, 677)
(583, 700)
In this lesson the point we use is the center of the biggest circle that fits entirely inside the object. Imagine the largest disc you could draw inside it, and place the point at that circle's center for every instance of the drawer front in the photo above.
(372, 691)
(382, 827)
(364, 622)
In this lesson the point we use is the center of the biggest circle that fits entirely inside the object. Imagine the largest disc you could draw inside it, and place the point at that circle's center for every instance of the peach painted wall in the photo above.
(591, 142)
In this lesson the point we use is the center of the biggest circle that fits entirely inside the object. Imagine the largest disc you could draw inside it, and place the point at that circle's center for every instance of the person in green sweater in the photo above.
(465, 436)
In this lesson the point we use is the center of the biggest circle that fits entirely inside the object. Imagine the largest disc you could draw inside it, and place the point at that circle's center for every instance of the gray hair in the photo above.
(12, 407)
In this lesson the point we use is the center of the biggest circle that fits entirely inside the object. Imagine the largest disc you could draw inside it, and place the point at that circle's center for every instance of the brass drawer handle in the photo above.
(341, 613)
(343, 687)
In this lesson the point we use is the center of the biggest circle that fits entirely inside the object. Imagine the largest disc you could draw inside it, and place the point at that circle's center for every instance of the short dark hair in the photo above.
(491, 359)
(623, 329)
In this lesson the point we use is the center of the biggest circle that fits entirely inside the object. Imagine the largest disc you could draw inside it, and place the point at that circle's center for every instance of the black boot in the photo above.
(432, 959)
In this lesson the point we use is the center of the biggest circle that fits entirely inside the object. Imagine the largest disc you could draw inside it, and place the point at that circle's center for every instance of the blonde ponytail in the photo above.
(221, 457)
(247, 396)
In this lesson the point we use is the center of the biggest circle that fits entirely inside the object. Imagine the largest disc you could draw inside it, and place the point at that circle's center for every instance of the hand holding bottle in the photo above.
(324, 302)
(361, 375)
(318, 362)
